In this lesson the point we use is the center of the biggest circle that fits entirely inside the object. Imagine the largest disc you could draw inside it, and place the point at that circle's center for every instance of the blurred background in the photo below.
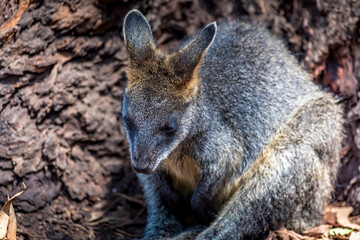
(62, 68)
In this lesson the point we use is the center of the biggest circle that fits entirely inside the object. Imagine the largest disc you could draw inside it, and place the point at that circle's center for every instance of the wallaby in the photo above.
(229, 136)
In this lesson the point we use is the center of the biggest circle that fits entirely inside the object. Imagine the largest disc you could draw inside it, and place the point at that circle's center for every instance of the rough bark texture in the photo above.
(61, 77)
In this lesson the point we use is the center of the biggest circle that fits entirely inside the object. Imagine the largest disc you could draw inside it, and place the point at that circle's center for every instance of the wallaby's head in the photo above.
(160, 96)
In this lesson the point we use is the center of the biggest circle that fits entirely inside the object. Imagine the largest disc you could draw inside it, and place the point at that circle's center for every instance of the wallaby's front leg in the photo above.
(205, 192)
(161, 222)
(289, 191)
(189, 234)
(214, 168)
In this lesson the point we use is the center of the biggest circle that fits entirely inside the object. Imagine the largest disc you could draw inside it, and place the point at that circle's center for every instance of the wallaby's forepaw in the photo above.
(162, 230)
(190, 233)
(208, 233)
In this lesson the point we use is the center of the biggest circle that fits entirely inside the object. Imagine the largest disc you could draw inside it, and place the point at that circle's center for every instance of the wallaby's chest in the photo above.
(184, 174)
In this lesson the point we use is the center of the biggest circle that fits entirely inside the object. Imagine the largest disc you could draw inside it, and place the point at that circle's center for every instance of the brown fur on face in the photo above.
(177, 72)
(159, 71)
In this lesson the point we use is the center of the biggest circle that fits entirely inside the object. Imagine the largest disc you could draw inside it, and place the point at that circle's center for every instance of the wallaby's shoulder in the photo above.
(246, 34)
(250, 44)
(252, 57)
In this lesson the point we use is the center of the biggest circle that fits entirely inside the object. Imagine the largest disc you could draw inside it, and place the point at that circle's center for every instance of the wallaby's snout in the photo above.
(141, 167)
(142, 161)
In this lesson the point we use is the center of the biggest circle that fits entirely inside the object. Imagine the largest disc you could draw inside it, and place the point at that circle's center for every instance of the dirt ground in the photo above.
(62, 68)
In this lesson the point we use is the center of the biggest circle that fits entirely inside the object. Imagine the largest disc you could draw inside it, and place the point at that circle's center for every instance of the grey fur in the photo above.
(264, 139)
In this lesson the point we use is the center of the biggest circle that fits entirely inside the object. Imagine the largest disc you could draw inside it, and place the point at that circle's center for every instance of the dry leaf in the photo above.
(285, 234)
(342, 217)
(8, 219)
(4, 222)
(318, 231)
(355, 236)
(12, 224)
(271, 236)
(330, 218)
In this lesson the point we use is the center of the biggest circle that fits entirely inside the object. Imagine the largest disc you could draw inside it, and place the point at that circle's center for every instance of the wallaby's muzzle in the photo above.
(141, 167)
(141, 162)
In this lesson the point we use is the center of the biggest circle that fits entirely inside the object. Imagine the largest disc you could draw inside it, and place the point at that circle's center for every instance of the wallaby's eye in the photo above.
(169, 128)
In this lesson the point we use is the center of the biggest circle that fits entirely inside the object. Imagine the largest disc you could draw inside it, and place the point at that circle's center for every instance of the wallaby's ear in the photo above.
(187, 60)
(138, 37)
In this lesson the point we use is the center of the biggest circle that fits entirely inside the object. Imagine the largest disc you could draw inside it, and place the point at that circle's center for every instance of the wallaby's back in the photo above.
(251, 79)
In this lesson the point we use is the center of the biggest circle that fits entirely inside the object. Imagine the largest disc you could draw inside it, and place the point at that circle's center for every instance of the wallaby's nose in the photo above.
(141, 167)
(140, 160)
